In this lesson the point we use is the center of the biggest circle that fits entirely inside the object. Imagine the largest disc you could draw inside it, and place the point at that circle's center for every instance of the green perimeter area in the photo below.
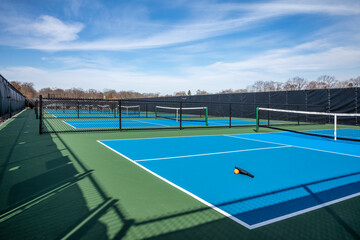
(69, 186)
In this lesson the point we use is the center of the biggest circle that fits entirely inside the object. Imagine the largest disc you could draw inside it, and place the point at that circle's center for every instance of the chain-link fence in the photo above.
(83, 115)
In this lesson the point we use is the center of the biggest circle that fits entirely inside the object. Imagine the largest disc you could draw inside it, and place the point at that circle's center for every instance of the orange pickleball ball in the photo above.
(236, 171)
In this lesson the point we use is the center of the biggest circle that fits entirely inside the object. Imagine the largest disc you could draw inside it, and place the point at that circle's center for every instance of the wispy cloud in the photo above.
(43, 31)
(215, 20)
(308, 60)
(275, 65)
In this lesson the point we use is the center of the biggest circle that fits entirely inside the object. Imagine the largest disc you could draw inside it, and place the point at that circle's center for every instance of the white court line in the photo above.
(182, 189)
(294, 214)
(313, 149)
(206, 154)
(260, 224)
(150, 123)
(69, 124)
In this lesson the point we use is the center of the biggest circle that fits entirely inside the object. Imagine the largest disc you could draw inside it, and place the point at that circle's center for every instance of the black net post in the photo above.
(119, 110)
(41, 114)
(180, 115)
(229, 115)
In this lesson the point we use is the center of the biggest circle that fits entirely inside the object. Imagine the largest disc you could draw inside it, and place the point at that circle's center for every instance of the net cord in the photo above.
(174, 108)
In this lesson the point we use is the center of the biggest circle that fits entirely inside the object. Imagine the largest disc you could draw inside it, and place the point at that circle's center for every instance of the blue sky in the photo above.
(163, 46)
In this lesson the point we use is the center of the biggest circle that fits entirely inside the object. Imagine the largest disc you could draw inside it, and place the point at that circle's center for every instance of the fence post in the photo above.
(41, 114)
(9, 97)
(229, 115)
(78, 109)
(119, 110)
(37, 109)
(146, 110)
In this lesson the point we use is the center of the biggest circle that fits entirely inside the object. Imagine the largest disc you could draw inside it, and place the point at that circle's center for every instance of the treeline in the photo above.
(29, 91)
(292, 84)
(295, 83)
(298, 83)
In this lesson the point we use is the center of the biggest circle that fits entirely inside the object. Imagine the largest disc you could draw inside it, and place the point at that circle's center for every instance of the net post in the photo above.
(119, 110)
(41, 114)
(257, 120)
(155, 112)
(180, 115)
(206, 116)
(229, 115)
(139, 111)
(335, 126)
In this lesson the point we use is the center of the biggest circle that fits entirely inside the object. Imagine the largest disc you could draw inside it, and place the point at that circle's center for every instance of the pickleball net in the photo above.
(195, 114)
(131, 110)
(344, 126)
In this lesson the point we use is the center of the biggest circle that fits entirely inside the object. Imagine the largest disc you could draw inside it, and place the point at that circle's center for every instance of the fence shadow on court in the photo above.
(47, 193)
(313, 225)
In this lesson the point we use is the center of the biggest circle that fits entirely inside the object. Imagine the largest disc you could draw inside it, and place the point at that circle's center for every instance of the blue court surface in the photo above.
(293, 173)
(88, 124)
(351, 133)
(100, 115)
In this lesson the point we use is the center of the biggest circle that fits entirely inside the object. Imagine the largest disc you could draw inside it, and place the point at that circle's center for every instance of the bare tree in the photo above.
(226, 91)
(299, 82)
(28, 90)
(295, 83)
(241, 91)
(181, 93)
(278, 86)
(355, 82)
(110, 94)
(326, 81)
(16, 84)
(201, 92)
(258, 86)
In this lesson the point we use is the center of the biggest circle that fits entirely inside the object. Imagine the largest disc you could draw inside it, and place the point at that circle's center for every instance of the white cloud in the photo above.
(44, 30)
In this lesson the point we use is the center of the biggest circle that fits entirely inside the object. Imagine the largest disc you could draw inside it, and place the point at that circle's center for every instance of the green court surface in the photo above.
(69, 186)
